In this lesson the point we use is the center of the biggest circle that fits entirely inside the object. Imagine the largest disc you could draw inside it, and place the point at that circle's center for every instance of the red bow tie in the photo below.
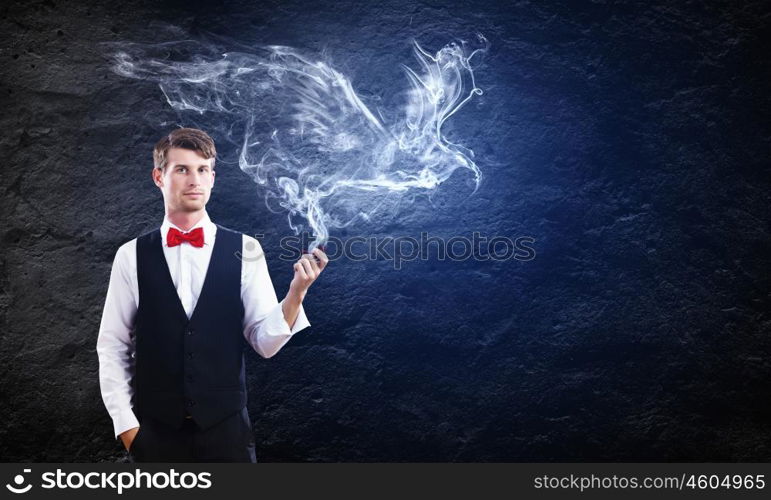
(176, 237)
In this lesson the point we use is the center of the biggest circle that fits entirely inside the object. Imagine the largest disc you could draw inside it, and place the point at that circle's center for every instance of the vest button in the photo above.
(190, 402)
(189, 331)
(190, 355)
(189, 378)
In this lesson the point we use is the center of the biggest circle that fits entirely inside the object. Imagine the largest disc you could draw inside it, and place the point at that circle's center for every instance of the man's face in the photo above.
(187, 180)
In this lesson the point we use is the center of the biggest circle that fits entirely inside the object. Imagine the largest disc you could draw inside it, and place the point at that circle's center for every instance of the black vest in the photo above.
(190, 367)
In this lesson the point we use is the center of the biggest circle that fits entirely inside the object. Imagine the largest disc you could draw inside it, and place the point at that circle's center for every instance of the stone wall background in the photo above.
(630, 139)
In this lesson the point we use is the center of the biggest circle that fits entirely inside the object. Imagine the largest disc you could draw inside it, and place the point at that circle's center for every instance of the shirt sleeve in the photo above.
(265, 328)
(115, 344)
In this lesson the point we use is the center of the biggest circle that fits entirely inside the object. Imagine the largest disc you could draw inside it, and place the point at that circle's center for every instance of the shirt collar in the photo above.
(209, 229)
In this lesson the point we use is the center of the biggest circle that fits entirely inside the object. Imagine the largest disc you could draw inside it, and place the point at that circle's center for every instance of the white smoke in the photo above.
(304, 134)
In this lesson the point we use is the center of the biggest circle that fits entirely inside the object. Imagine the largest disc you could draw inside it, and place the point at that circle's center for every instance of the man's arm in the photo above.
(291, 306)
(114, 345)
(266, 326)
(306, 270)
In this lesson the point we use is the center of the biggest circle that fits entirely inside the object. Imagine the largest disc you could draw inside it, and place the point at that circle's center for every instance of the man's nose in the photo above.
(196, 179)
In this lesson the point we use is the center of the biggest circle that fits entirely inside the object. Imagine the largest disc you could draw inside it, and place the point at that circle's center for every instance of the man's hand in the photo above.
(128, 437)
(306, 270)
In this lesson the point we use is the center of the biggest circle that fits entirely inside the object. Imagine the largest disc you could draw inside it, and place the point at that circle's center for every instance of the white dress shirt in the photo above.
(264, 325)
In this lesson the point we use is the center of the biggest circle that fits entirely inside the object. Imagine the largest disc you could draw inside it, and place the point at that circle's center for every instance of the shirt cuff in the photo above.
(280, 324)
(126, 420)
(274, 332)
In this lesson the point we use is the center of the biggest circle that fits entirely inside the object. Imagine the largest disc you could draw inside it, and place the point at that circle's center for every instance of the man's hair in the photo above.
(185, 138)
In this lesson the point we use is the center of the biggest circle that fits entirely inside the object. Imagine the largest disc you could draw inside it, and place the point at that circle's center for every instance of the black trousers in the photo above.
(231, 440)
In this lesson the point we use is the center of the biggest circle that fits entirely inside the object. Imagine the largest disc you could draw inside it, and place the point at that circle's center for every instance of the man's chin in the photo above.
(193, 207)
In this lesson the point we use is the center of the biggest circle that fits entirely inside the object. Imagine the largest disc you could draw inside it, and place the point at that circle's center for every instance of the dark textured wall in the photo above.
(631, 140)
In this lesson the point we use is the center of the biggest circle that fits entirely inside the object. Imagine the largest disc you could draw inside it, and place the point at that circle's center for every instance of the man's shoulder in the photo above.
(244, 237)
(251, 249)
(220, 227)
(126, 252)
(129, 247)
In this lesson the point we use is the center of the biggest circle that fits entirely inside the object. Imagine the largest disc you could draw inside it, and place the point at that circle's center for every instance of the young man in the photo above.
(184, 302)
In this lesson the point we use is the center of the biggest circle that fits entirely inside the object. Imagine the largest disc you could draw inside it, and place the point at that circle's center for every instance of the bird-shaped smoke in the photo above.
(304, 134)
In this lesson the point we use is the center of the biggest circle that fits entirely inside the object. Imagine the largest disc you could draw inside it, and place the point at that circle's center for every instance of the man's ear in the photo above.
(157, 177)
